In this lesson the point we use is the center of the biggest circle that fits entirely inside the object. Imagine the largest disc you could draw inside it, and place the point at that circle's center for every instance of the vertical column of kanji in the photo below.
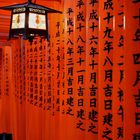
(23, 75)
(132, 70)
(51, 80)
(4, 83)
(53, 70)
(34, 106)
(40, 73)
(50, 72)
(17, 87)
(45, 71)
(22, 91)
(38, 111)
(68, 101)
(60, 76)
(19, 104)
(62, 81)
(6, 89)
(16, 80)
(9, 102)
(23, 69)
(46, 74)
(14, 88)
(92, 52)
(54, 80)
(18, 77)
(31, 90)
(27, 79)
(31, 79)
(48, 92)
(57, 77)
(44, 86)
(118, 71)
(28, 73)
(18, 74)
(36, 52)
(105, 69)
(14, 50)
(1, 90)
(20, 80)
(9, 105)
(80, 63)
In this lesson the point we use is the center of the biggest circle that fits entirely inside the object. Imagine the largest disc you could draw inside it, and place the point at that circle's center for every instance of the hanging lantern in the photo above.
(29, 20)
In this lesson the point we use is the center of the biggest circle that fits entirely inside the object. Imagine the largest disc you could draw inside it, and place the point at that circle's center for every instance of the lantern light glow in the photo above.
(18, 21)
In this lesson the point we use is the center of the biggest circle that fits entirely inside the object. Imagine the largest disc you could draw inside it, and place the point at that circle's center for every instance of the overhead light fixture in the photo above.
(29, 20)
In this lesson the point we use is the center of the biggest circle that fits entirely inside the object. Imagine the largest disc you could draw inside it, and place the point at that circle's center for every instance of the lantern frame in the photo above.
(30, 11)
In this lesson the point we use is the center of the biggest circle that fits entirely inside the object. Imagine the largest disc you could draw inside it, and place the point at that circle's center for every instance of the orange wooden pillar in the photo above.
(6, 92)
(27, 88)
(69, 94)
(79, 69)
(118, 71)
(1, 54)
(62, 102)
(34, 101)
(18, 76)
(92, 54)
(57, 74)
(106, 45)
(43, 93)
(15, 93)
(1, 89)
(48, 93)
(53, 89)
(132, 70)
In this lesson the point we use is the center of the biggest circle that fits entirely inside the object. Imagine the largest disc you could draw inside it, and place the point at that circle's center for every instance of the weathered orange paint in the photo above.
(37, 103)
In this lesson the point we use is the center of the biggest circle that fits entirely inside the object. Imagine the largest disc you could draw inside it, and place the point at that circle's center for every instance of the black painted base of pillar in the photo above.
(5, 136)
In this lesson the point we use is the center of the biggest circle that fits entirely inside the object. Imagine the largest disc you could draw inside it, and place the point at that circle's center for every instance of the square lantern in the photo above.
(29, 20)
